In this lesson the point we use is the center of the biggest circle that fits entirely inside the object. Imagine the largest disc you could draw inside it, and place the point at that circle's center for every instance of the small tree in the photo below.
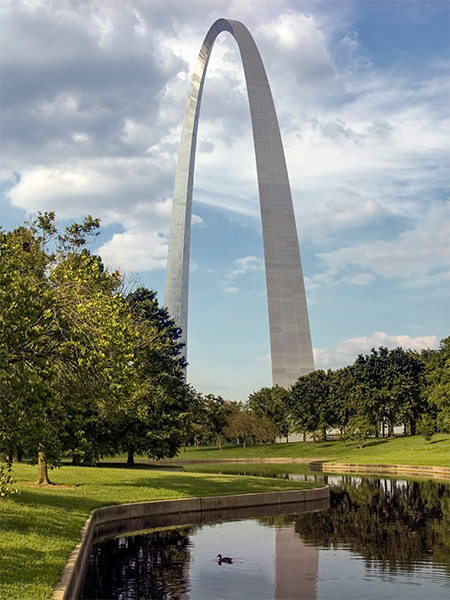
(243, 425)
(426, 427)
(359, 429)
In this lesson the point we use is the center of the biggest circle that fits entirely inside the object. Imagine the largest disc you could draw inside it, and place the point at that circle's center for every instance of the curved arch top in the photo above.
(290, 338)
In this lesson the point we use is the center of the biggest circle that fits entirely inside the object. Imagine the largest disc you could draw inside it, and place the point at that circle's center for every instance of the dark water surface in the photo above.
(381, 538)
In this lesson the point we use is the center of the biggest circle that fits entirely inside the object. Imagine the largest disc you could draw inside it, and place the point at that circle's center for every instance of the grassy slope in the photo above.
(411, 450)
(40, 527)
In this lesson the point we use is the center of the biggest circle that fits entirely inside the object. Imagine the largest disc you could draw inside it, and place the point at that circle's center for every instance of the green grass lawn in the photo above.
(41, 526)
(410, 450)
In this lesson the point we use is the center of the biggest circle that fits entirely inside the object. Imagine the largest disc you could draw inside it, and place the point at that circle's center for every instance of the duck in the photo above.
(224, 559)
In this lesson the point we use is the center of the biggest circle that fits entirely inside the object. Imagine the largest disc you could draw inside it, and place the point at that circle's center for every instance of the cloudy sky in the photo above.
(93, 96)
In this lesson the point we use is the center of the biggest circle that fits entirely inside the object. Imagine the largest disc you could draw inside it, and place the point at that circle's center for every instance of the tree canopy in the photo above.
(78, 359)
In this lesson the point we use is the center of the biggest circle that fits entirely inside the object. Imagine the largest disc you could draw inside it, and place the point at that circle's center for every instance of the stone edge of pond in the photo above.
(69, 588)
(411, 470)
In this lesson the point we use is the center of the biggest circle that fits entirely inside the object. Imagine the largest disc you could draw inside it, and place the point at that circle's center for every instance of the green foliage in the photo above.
(359, 429)
(6, 479)
(271, 404)
(426, 427)
(218, 413)
(310, 405)
(79, 363)
(388, 387)
(438, 379)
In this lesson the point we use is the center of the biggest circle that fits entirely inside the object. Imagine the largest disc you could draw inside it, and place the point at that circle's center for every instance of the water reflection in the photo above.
(378, 533)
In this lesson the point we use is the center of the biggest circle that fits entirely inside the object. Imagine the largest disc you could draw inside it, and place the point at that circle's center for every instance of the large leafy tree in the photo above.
(388, 383)
(160, 397)
(66, 339)
(272, 404)
(310, 406)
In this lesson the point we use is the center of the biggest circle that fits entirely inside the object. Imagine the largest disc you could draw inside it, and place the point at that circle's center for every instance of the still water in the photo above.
(381, 538)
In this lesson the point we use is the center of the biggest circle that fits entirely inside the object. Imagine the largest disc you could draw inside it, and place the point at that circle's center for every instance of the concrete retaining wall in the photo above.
(410, 470)
(124, 518)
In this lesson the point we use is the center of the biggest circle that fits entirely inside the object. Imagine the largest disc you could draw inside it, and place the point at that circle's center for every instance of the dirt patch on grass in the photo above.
(45, 486)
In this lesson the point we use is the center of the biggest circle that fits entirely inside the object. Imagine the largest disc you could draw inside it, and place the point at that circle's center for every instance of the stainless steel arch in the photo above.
(290, 338)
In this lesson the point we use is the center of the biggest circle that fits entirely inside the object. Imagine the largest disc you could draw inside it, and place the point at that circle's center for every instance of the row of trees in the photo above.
(384, 389)
(85, 369)
(380, 391)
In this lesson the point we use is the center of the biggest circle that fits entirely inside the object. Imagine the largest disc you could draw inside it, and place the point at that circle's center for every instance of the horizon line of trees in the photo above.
(378, 392)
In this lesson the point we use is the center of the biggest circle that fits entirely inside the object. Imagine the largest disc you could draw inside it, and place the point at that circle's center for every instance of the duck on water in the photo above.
(224, 559)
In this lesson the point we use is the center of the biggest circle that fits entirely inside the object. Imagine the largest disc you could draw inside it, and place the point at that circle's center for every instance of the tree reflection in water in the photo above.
(395, 526)
(154, 565)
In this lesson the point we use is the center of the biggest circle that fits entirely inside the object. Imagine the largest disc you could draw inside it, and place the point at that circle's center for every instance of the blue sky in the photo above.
(93, 96)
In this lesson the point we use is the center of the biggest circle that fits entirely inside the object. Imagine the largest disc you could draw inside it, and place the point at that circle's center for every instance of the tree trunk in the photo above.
(130, 459)
(42, 470)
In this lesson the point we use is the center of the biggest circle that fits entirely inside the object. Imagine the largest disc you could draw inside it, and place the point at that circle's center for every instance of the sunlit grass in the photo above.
(409, 450)
(41, 526)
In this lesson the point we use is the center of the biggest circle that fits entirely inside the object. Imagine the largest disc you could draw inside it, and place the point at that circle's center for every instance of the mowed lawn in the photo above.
(409, 450)
(39, 527)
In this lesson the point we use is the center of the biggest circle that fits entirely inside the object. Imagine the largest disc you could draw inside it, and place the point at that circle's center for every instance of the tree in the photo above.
(359, 429)
(389, 387)
(426, 427)
(218, 412)
(271, 403)
(66, 338)
(155, 425)
(194, 419)
(310, 405)
(438, 380)
(242, 425)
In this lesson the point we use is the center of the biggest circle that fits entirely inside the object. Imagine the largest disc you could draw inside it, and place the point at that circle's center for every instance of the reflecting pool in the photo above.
(381, 538)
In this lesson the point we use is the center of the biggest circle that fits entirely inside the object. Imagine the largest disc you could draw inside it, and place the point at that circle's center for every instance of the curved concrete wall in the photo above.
(125, 518)
(290, 337)
(409, 470)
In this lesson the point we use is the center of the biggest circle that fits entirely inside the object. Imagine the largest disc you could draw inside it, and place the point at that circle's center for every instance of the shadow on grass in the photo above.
(438, 441)
(376, 442)
(139, 466)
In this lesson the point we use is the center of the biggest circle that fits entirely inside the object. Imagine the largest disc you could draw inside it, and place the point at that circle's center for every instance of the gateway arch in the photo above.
(290, 337)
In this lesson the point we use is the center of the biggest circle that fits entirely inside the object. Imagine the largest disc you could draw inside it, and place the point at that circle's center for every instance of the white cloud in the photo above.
(135, 251)
(248, 264)
(231, 290)
(346, 352)
(412, 255)
(336, 216)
